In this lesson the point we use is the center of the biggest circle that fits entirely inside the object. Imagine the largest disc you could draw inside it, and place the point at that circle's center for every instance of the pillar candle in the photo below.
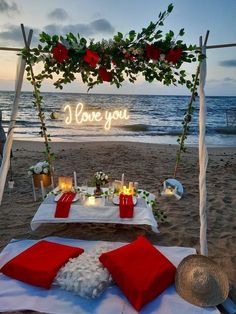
(75, 180)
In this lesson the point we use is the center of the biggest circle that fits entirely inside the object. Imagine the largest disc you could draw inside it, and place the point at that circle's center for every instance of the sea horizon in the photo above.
(153, 118)
(121, 94)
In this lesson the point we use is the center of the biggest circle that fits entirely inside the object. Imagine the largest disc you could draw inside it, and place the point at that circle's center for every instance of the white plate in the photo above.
(116, 200)
(56, 199)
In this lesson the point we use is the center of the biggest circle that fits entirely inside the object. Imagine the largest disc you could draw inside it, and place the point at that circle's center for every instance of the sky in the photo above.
(104, 18)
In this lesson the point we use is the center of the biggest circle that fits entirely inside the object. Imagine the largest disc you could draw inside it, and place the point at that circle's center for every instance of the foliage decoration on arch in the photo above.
(150, 53)
(155, 56)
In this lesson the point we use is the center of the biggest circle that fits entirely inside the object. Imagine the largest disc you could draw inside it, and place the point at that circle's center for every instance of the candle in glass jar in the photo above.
(65, 183)
(131, 188)
(91, 200)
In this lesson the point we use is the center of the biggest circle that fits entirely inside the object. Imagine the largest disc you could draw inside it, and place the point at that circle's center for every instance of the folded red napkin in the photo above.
(63, 205)
(126, 206)
(38, 265)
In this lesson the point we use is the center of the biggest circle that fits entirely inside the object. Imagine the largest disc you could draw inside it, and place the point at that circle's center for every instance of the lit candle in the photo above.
(65, 184)
(126, 190)
(91, 200)
(169, 191)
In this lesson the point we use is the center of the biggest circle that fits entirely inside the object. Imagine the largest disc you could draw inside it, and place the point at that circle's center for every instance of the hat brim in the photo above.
(184, 286)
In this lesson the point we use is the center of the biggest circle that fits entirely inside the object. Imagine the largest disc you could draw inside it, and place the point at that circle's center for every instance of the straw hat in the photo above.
(200, 281)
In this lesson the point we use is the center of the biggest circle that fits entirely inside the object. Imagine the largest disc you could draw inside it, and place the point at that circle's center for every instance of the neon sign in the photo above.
(79, 116)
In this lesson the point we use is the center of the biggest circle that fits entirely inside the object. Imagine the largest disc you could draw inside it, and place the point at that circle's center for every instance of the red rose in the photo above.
(60, 53)
(173, 55)
(104, 74)
(92, 58)
(128, 56)
(153, 52)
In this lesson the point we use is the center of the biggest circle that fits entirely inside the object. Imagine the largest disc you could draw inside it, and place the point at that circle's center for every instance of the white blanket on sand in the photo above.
(16, 295)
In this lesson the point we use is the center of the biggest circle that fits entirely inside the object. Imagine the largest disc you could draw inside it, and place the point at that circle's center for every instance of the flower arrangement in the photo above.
(151, 53)
(41, 167)
(100, 178)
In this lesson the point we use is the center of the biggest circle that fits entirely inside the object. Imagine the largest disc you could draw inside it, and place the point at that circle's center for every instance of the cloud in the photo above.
(13, 35)
(103, 26)
(222, 81)
(228, 63)
(8, 8)
(93, 28)
(58, 14)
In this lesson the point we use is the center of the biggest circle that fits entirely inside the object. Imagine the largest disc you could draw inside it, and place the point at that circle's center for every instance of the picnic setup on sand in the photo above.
(69, 275)
(114, 204)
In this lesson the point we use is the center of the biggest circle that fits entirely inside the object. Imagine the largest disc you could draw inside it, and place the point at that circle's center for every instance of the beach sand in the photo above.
(150, 165)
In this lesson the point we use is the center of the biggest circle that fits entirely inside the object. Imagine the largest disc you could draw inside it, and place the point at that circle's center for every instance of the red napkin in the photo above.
(38, 265)
(126, 206)
(63, 205)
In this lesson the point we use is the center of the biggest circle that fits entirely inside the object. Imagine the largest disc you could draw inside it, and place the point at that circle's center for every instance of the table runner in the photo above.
(16, 295)
(103, 212)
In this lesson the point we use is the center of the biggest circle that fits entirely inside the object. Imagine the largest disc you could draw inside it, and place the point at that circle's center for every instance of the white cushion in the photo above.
(85, 275)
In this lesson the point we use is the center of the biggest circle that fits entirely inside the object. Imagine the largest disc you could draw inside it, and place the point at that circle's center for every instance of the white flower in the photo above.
(45, 170)
(38, 169)
(101, 178)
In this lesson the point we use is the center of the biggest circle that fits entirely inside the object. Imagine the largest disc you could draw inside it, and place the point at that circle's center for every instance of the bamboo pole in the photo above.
(203, 156)
(10, 49)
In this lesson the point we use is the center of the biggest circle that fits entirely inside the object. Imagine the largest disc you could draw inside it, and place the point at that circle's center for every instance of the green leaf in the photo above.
(55, 38)
(132, 35)
(181, 32)
(170, 8)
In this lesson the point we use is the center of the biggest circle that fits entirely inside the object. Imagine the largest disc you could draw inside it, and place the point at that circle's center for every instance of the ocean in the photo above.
(152, 119)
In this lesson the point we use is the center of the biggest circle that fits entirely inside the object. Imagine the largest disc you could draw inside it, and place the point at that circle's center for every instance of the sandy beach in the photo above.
(150, 165)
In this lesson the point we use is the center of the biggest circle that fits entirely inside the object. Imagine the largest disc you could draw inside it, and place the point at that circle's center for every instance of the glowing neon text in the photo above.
(80, 116)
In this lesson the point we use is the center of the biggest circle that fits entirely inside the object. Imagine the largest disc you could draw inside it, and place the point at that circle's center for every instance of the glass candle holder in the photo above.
(65, 183)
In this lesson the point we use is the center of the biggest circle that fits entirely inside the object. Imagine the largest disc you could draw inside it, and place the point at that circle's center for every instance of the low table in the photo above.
(103, 211)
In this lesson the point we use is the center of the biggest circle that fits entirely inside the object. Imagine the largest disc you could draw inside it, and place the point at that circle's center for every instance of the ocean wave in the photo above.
(226, 130)
(136, 127)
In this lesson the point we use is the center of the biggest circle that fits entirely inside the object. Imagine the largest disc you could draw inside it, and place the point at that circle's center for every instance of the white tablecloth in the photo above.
(105, 212)
(16, 295)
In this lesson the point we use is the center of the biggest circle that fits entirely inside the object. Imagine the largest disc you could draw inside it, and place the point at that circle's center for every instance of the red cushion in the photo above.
(39, 264)
(140, 270)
